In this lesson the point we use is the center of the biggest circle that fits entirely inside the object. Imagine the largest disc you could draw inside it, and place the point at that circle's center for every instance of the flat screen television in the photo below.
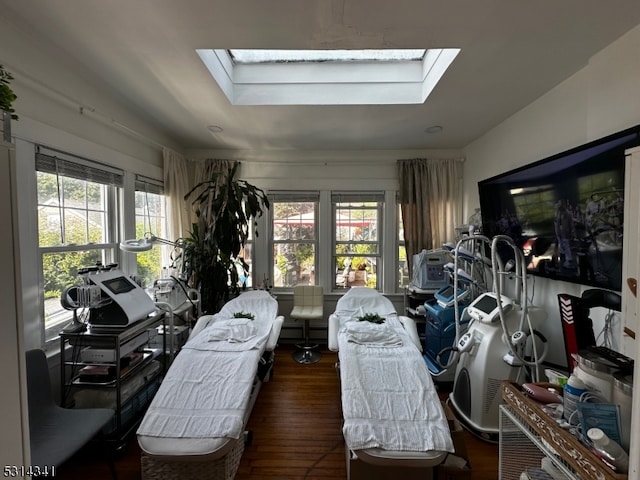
(565, 212)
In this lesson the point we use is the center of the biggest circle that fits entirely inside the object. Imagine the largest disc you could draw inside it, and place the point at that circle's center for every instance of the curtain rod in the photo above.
(84, 108)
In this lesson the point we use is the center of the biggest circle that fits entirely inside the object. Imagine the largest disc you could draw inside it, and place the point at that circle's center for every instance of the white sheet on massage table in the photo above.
(388, 397)
(203, 400)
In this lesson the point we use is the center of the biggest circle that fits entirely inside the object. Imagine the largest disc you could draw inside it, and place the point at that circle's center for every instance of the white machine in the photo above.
(428, 273)
(470, 276)
(499, 342)
(129, 302)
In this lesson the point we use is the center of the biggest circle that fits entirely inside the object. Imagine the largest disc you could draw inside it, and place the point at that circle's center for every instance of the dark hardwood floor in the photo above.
(296, 426)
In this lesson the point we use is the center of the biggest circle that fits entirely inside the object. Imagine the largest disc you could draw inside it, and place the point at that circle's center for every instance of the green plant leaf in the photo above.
(371, 317)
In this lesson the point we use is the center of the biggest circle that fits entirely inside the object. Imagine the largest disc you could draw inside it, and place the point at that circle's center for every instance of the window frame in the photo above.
(338, 197)
(294, 197)
(400, 244)
(149, 186)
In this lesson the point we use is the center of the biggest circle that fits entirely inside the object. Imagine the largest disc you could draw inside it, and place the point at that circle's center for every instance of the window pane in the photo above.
(247, 254)
(356, 271)
(59, 272)
(74, 192)
(357, 224)
(95, 196)
(47, 189)
(75, 226)
(49, 226)
(293, 221)
(97, 233)
(151, 219)
(294, 264)
(403, 268)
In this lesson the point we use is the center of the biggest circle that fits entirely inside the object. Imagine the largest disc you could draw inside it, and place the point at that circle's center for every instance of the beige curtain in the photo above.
(176, 185)
(430, 201)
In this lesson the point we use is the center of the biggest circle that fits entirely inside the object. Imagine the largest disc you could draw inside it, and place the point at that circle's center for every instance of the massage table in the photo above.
(195, 425)
(392, 413)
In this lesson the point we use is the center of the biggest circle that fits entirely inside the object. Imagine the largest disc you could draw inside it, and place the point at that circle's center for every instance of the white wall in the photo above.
(600, 99)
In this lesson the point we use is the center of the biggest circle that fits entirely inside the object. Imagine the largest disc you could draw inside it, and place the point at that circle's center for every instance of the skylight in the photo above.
(327, 77)
(278, 56)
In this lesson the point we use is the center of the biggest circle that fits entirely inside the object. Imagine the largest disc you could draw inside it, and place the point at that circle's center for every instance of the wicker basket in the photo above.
(579, 457)
(224, 468)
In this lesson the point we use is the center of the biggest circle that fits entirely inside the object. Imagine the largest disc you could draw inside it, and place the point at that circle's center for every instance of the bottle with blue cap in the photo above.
(573, 390)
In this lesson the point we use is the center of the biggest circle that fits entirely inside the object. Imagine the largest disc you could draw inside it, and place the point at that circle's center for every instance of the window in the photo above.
(356, 254)
(295, 238)
(282, 56)
(327, 77)
(151, 219)
(403, 267)
(246, 253)
(77, 228)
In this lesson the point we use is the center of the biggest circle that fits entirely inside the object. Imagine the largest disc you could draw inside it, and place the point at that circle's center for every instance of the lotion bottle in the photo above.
(610, 450)
(573, 390)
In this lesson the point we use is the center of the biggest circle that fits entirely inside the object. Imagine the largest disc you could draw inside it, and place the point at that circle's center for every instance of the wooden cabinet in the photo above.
(528, 434)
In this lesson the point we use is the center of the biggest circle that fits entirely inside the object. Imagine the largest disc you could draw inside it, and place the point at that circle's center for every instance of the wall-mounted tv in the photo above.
(566, 211)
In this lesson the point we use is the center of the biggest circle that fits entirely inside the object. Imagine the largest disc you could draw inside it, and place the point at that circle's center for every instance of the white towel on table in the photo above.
(234, 331)
(388, 397)
(371, 334)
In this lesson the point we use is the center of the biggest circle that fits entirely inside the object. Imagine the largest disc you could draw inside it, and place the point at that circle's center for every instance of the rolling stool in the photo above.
(307, 306)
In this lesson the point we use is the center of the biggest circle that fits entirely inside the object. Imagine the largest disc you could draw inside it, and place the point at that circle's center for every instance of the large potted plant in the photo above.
(225, 208)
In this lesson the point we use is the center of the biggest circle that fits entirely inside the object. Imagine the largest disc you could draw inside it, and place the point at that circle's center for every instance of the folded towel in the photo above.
(232, 332)
(375, 335)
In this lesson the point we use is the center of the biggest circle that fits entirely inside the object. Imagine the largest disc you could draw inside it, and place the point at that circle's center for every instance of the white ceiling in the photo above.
(144, 53)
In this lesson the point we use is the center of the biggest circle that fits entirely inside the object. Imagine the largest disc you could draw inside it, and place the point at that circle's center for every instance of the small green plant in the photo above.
(248, 315)
(371, 317)
(7, 97)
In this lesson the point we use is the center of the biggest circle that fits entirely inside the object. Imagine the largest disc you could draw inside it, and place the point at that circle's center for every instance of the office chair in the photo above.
(307, 305)
(57, 433)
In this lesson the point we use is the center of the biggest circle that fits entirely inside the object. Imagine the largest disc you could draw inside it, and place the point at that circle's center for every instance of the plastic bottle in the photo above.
(573, 389)
(610, 450)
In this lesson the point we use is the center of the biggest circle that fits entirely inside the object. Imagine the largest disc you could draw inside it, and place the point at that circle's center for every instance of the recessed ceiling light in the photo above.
(434, 129)
(215, 129)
